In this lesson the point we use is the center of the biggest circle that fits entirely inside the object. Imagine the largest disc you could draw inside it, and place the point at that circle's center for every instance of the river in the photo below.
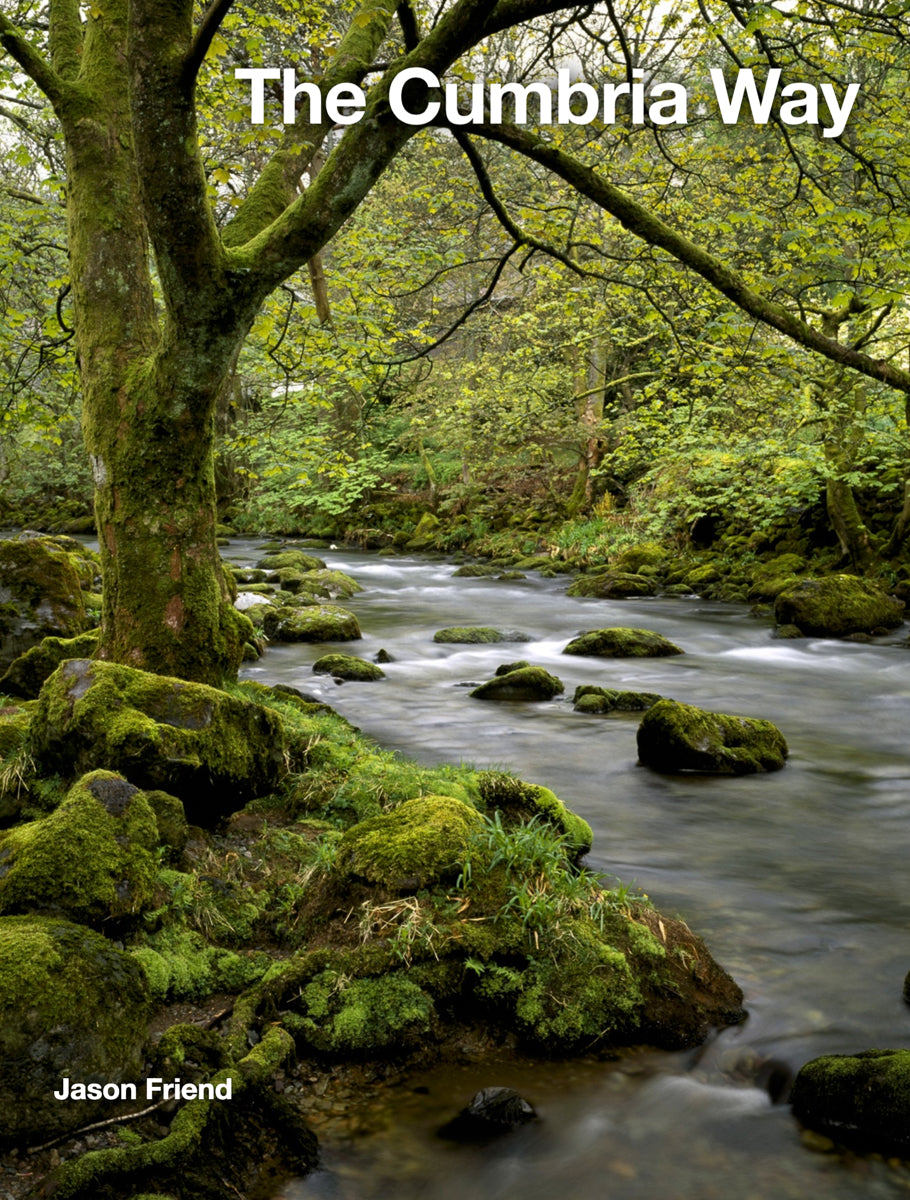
(795, 879)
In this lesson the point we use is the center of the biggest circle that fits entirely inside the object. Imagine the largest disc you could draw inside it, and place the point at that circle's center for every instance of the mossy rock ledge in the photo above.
(837, 606)
(526, 683)
(71, 1006)
(622, 643)
(212, 750)
(92, 860)
(861, 1100)
(676, 737)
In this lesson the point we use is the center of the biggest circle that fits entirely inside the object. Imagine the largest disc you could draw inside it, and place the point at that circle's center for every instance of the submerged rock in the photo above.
(477, 635)
(212, 750)
(492, 1112)
(838, 605)
(527, 683)
(92, 860)
(347, 666)
(859, 1099)
(622, 643)
(71, 1006)
(679, 737)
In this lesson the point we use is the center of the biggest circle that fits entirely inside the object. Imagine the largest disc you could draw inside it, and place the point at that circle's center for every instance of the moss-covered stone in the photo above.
(679, 737)
(776, 575)
(595, 700)
(40, 595)
(525, 802)
(702, 577)
(838, 605)
(92, 860)
(421, 842)
(296, 559)
(71, 1006)
(861, 1100)
(170, 817)
(28, 672)
(316, 623)
(213, 750)
(507, 668)
(527, 683)
(622, 643)
(330, 584)
(478, 635)
(180, 964)
(347, 666)
(345, 1016)
(426, 533)
(476, 571)
(612, 585)
(643, 555)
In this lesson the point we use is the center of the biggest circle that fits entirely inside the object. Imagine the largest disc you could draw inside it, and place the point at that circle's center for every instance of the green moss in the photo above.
(525, 683)
(622, 643)
(180, 965)
(837, 606)
(612, 584)
(41, 593)
(315, 623)
(478, 635)
(347, 666)
(91, 860)
(520, 801)
(421, 842)
(211, 749)
(27, 673)
(861, 1099)
(680, 737)
(595, 700)
(70, 1005)
(345, 1016)
(295, 559)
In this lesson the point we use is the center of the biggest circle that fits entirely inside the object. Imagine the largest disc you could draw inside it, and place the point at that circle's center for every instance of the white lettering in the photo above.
(398, 85)
(519, 93)
(839, 112)
(745, 87)
(679, 105)
(257, 77)
(565, 91)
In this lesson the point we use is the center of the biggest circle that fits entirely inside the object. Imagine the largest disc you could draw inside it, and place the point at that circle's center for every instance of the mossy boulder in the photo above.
(679, 737)
(643, 556)
(517, 801)
(478, 635)
(330, 584)
(211, 749)
(426, 533)
(420, 843)
(296, 559)
(622, 643)
(702, 577)
(597, 700)
(861, 1100)
(527, 683)
(316, 623)
(40, 595)
(92, 860)
(347, 666)
(776, 575)
(71, 1006)
(476, 571)
(612, 585)
(837, 606)
(27, 673)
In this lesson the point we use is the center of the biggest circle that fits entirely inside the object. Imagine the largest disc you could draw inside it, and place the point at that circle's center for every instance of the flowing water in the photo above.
(796, 880)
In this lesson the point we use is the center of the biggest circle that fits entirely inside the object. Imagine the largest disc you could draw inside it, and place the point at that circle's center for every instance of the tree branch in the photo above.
(36, 67)
(211, 23)
(650, 228)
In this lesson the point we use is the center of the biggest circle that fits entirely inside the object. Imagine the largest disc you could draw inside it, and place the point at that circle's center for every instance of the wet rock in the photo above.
(40, 595)
(247, 600)
(212, 750)
(476, 571)
(317, 623)
(492, 1111)
(92, 860)
(838, 605)
(595, 700)
(71, 1006)
(383, 656)
(295, 559)
(679, 737)
(527, 683)
(478, 635)
(507, 668)
(347, 666)
(612, 585)
(27, 673)
(622, 643)
(861, 1100)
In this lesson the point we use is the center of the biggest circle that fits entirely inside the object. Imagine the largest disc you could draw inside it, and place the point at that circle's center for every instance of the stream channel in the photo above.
(797, 880)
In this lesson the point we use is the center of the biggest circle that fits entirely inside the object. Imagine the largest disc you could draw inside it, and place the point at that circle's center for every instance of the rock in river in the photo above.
(622, 643)
(838, 605)
(527, 683)
(860, 1099)
(679, 737)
